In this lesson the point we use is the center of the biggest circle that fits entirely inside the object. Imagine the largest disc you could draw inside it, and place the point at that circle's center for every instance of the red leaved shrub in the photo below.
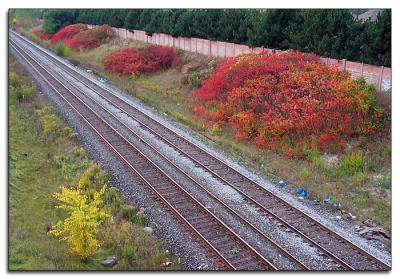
(79, 36)
(124, 61)
(77, 42)
(288, 102)
(155, 58)
(150, 59)
(67, 32)
(100, 33)
(41, 35)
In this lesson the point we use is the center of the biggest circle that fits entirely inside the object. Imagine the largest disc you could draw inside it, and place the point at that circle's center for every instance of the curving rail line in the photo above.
(219, 238)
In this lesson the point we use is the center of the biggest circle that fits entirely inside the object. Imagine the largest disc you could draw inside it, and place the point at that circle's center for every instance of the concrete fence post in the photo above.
(381, 78)
(362, 69)
(224, 50)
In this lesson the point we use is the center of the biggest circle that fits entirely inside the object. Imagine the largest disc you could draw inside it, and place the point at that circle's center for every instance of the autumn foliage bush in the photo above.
(130, 60)
(67, 32)
(79, 36)
(41, 35)
(288, 102)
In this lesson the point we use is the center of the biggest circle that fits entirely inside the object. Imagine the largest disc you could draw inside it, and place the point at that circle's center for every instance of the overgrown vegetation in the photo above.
(289, 103)
(85, 214)
(335, 33)
(79, 36)
(39, 162)
(131, 61)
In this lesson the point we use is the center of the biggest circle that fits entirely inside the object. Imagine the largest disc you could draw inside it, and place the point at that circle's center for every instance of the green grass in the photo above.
(38, 165)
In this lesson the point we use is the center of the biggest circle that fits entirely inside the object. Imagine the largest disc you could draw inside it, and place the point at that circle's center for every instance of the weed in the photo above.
(305, 173)
(28, 92)
(360, 178)
(386, 181)
(188, 120)
(79, 152)
(194, 80)
(149, 84)
(60, 49)
(234, 250)
(142, 96)
(13, 80)
(48, 120)
(111, 197)
(216, 130)
(128, 254)
(68, 133)
(127, 212)
(351, 164)
(98, 57)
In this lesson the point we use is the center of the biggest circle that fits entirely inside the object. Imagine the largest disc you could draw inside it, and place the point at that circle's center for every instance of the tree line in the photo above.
(335, 33)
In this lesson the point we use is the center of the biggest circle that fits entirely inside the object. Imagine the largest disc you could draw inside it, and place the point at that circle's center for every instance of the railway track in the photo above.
(212, 231)
(334, 247)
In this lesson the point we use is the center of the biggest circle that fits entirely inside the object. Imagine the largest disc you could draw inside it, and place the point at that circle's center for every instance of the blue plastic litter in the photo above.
(299, 191)
(335, 205)
(281, 183)
(327, 200)
(101, 79)
(304, 194)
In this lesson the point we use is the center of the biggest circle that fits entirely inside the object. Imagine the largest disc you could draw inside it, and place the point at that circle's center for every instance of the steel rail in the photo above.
(138, 173)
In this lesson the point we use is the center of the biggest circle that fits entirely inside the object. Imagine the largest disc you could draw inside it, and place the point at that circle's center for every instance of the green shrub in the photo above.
(60, 48)
(351, 163)
(66, 132)
(111, 198)
(28, 92)
(48, 120)
(305, 173)
(140, 218)
(216, 130)
(13, 80)
(127, 212)
(79, 152)
(128, 254)
(194, 80)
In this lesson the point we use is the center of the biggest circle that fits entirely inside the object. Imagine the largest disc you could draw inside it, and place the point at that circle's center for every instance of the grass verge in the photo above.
(44, 154)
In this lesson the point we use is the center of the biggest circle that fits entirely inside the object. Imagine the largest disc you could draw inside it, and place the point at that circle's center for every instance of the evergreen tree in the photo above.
(229, 24)
(57, 18)
(132, 19)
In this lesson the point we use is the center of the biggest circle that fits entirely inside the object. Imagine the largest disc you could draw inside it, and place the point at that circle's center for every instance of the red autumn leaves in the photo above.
(79, 36)
(41, 35)
(287, 102)
(130, 60)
